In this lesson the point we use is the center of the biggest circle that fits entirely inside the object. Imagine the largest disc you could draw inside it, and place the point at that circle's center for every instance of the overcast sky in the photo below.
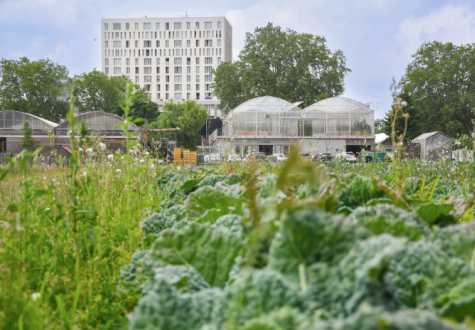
(377, 36)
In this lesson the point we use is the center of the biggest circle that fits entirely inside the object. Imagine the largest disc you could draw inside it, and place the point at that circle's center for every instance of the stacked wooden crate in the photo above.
(193, 158)
(177, 156)
(186, 156)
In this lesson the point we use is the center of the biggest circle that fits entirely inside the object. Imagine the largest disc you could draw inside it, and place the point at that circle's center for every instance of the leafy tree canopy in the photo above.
(28, 141)
(282, 63)
(189, 116)
(38, 87)
(439, 88)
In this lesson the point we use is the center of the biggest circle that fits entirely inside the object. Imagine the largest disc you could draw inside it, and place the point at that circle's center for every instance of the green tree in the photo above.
(282, 63)
(189, 116)
(145, 110)
(438, 86)
(37, 87)
(28, 141)
(379, 126)
(95, 91)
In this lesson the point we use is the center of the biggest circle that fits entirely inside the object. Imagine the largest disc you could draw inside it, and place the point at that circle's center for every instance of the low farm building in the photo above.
(100, 124)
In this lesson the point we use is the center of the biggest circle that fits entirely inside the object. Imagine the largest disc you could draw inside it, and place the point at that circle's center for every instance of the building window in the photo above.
(158, 61)
(147, 79)
(106, 70)
(167, 43)
(208, 60)
(197, 43)
(177, 87)
(117, 61)
(157, 43)
(127, 61)
(188, 25)
(177, 43)
(197, 25)
(157, 26)
(106, 44)
(158, 96)
(208, 96)
(148, 87)
(116, 26)
(137, 61)
(218, 25)
(107, 61)
(158, 69)
(177, 26)
(208, 69)
(106, 26)
(116, 44)
(208, 78)
(188, 87)
(147, 61)
(147, 43)
(127, 26)
(177, 79)
(177, 69)
(188, 96)
(177, 60)
(208, 43)
(167, 79)
(197, 69)
(158, 78)
(137, 70)
(136, 26)
(167, 87)
(167, 26)
(197, 78)
(208, 25)
(188, 78)
(219, 60)
(207, 87)
(167, 61)
(127, 70)
(147, 26)
(158, 88)
(167, 69)
(147, 52)
(147, 70)
(137, 79)
(127, 44)
(136, 44)
(219, 42)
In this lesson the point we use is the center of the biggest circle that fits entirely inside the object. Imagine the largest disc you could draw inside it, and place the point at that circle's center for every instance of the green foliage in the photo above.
(282, 63)
(36, 87)
(28, 141)
(189, 116)
(359, 192)
(439, 97)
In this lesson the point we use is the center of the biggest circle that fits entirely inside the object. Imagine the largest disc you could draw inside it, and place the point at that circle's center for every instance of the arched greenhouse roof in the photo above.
(12, 119)
(265, 104)
(99, 121)
(338, 105)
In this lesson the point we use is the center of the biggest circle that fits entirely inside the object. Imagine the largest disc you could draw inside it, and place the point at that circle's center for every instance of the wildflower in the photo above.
(19, 228)
(147, 153)
(53, 179)
(44, 178)
(110, 157)
(6, 225)
(47, 209)
(403, 103)
(102, 146)
(35, 296)
(89, 150)
(141, 160)
(81, 149)
(118, 170)
(152, 166)
(178, 168)
(85, 174)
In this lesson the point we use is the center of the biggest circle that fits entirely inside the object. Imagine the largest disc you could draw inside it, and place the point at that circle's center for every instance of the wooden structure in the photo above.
(159, 139)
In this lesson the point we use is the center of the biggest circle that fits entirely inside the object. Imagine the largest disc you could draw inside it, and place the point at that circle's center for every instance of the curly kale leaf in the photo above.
(359, 192)
(212, 251)
(310, 235)
(140, 268)
(383, 218)
(456, 240)
(207, 198)
(173, 217)
(165, 308)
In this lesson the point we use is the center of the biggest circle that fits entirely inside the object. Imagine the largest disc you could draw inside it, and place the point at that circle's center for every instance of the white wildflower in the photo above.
(84, 174)
(44, 178)
(35, 296)
(178, 168)
(81, 149)
(47, 209)
(147, 153)
(118, 170)
(110, 157)
(19, 228)
(142, 160)
(403, 103)
(53, 179)
(102, 146)
(89, 150)
(152, 166)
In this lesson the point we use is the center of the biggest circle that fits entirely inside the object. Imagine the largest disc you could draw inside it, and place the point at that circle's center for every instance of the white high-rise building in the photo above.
(171, 57)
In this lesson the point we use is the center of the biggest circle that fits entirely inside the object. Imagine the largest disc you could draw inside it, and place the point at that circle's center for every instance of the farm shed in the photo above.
(436, 146)
(383, 142)
(11, 131)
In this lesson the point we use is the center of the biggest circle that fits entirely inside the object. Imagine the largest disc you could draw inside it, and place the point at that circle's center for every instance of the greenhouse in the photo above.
(435, 146)
(271, 125)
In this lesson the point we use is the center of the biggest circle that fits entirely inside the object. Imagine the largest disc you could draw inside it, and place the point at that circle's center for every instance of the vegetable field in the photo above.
(122, 243)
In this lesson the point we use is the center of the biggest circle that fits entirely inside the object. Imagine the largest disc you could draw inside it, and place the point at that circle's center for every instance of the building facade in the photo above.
(272, 125)
(171, 57)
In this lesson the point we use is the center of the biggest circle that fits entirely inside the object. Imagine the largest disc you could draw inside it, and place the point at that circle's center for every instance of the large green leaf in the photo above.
(210, 250)
(207, 198)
